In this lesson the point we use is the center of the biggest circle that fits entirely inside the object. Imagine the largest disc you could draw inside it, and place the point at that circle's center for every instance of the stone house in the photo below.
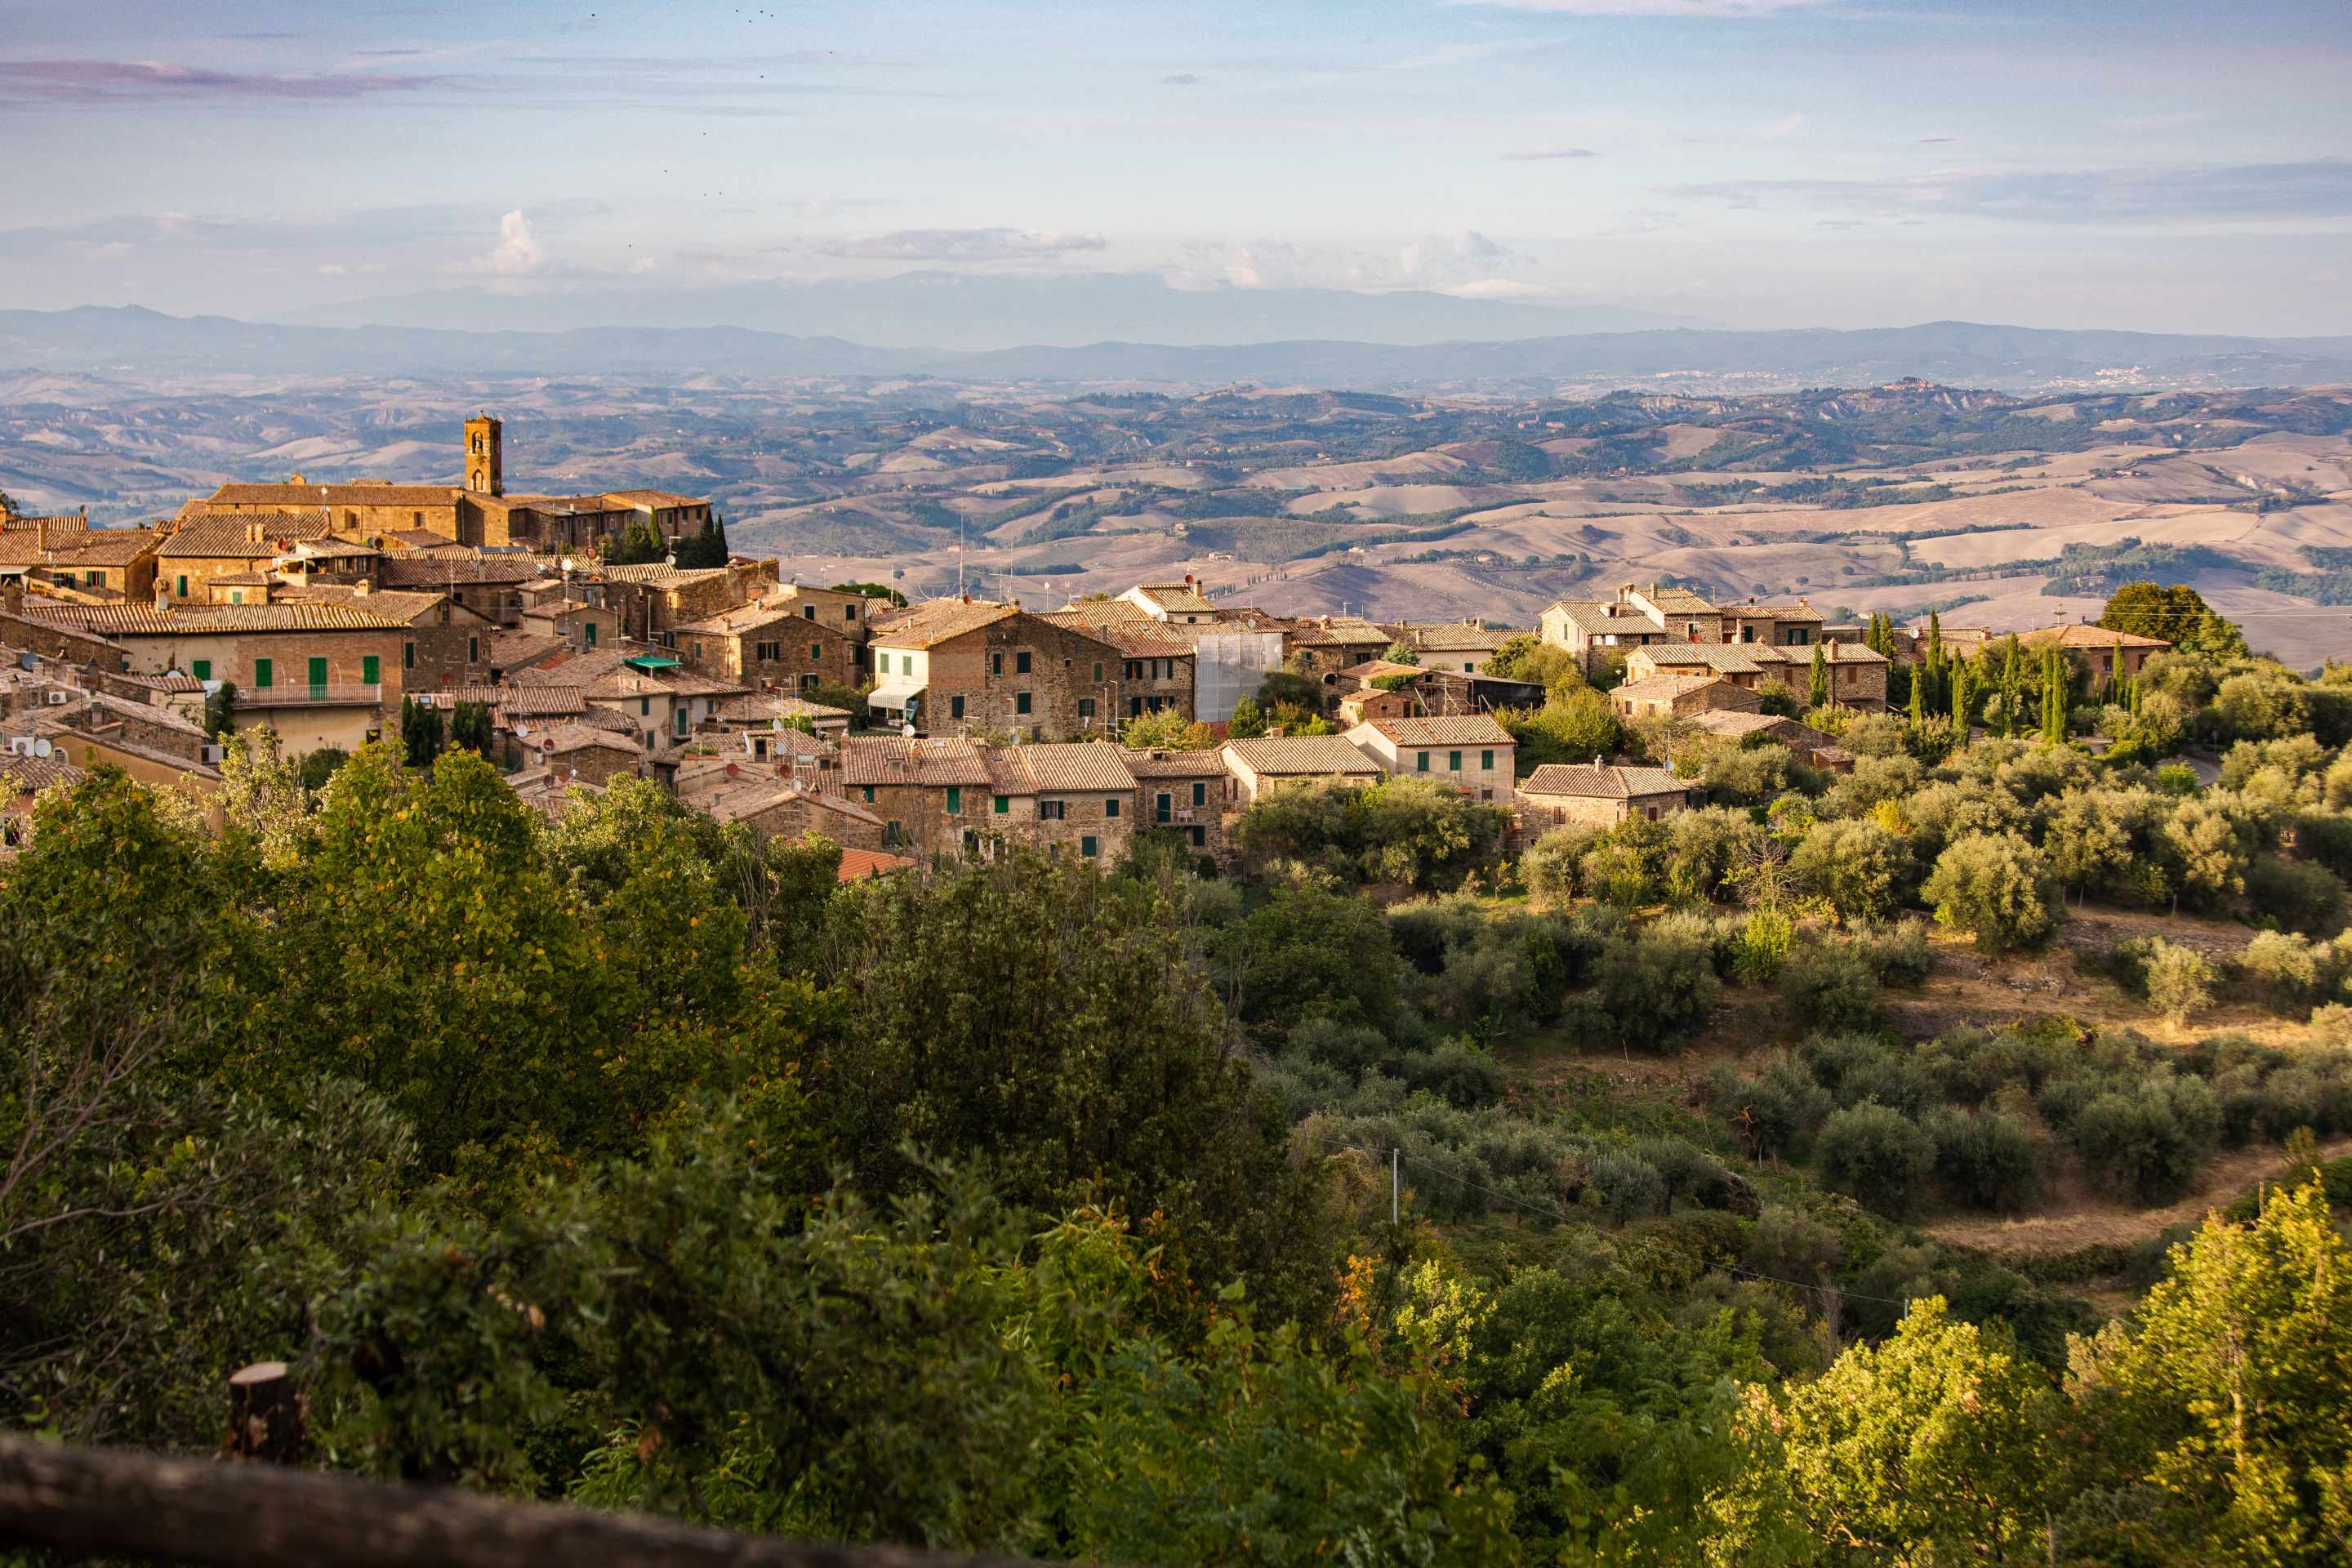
(1458, 647)
(1597, 795)
(1816, 748)
(928, 793)
(205, 544)
(99, 563)
(1322, 644)
(1677, 612)
(1857, 675)
(2095, 650)
(965, 666)
(783, 641)
(1679, 694)
(1470, 752)
(1284, 761)
(584, 753)
(773, 804)
(664, 702)
(1078, 796)
(653, 600)
(1775, 625)
(1178, 603)
(584, 625)
(489, 585)
(1596, 631)
(1717, 661)
(448, 645)
(1185, 793)
(767, 712)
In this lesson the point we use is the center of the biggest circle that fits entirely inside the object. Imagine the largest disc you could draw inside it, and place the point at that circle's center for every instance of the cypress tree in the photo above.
(1963, 697)
(2012, 688)
(1821, 687)
(2053, 697)
(1918, 704)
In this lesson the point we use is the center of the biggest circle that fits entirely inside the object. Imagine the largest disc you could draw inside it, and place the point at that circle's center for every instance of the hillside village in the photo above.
(330, 614)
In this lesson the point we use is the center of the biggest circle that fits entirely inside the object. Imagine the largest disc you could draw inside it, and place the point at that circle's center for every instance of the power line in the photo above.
(1396, 1155)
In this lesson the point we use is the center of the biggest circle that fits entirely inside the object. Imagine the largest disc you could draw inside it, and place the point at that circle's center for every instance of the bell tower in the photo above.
(484, 470)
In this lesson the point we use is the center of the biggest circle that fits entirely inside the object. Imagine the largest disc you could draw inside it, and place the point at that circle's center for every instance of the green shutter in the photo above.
(1087, 846)
(318, 672)
(1199, 794)
(371, 670)
(1487, 762)
(1420, 762)
(1453, 761)
(183, 591)
(955, 799)
(203, 668)
(1004, 804)
(261, 673)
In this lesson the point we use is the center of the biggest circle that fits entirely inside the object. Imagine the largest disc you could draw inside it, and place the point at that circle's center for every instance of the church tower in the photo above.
(484, 470)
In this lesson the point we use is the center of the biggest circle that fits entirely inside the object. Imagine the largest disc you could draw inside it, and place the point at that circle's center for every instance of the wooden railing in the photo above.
(250, 1509)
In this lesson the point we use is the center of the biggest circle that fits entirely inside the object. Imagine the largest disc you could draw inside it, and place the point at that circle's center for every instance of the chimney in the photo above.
(1623, 591)
(360, 590)
(296, 480)
(254, 532)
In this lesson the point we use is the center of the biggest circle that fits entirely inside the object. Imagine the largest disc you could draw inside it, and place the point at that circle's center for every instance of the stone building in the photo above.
(1458, 647)
(928, 793)
(775, 804)
(653, 601)
(783, 641)
(1681, 694)
(99, 563)
(1076, 796)
(1325, 643)
(2094, 649)
(1471, 752)
(966, 665)
(1727, 662)
(1597, 795)
(1597, 631)
(1188, 793)
(1814, 747)
(1677, 612)
(205, 544)
(1280, 762)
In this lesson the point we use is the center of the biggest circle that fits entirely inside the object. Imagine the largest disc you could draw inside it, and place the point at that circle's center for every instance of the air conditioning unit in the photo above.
(20, 745)
(214, 753)
(56, 698)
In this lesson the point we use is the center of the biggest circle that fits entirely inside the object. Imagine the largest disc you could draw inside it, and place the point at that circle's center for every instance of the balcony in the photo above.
(302, 695)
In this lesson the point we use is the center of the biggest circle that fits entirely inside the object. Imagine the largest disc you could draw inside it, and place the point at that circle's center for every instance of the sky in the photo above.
(2156, 165)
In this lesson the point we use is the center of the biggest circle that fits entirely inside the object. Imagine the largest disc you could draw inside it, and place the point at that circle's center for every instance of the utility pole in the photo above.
(1396, 1159)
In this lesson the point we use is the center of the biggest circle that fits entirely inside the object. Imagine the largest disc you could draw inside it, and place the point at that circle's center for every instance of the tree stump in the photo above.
(265, 1416)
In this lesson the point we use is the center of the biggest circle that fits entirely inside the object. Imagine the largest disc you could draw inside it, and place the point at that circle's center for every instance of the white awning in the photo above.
(893, 696)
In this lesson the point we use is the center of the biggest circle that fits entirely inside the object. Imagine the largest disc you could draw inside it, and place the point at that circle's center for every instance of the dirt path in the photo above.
(2112, 1224)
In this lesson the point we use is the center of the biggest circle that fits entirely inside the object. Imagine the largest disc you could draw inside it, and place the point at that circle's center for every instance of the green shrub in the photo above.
(1876, 1154)
(1628, 1185)
(1988, 1159)
(2151, 1138)
(2300, 896)
(1831, 986)
(1762, 946)
(1775, 1114)
(1994, 887)
(1898, 951)
(1656, 987)
(2179, 980)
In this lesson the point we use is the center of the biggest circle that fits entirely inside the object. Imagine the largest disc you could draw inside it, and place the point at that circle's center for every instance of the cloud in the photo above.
(148, 81)
(2318, 188)
(517, 254)
(1181, 79)
(1787, 125)
(1463, 257)
(1708, 10)
(1932, 141)
(959, 245)
(1544, 155)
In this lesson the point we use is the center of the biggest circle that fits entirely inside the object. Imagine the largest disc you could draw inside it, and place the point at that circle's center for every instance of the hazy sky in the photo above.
(2155, 164)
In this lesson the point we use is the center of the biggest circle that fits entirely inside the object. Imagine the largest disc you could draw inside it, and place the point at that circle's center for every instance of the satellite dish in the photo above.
(42, 748)
(907, 730)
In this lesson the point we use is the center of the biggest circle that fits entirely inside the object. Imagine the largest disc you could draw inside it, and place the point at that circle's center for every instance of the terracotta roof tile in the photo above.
(936, 621)
(1294, 754)
(897, 760)
(1599, 781)
(1457, 730)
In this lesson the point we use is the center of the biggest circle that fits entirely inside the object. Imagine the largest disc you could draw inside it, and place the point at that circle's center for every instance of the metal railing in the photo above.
(300, 693)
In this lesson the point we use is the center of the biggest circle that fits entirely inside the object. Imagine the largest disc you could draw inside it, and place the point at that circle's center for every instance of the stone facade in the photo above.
(774, 643)
(1188, 793)
(1600, 796)
(1472, 752)
(974, 668)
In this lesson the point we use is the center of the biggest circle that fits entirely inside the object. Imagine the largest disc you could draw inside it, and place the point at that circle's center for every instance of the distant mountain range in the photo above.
(973, 312)
(132, 340)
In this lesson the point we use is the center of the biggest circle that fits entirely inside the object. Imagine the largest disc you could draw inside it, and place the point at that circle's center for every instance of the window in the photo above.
(237, 595)
(1050, 810)
(371, 669)
(1485, 762)
(1086, 706)
(809, 611)
(817, 651)
(94, 579)
(473, 650)
(892, 831)
(955, 800)
(1162, 807)
(202, 669)
(408, 656)
(1086, 846)
(870, 794)
(1453, 761)
(1002, 805)
(645, 707)
(1020, 662)
(1021, 703)
(1200, 793)
(680, 718)
(318, 672)
(590, 626)
(1468, 667)
(1135, 669)
(1200, 837)
(996, 664)
(907, 664)
(848, 612)
(955, 706)
(1098, 669)
(182, 591)
(1420, 762)
(262, 673)
(808, 682)
(1110, 806)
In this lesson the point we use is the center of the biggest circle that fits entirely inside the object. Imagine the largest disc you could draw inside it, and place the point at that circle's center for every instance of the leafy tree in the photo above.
(883, 592)
(1401, 652)
(1855, 865)
(639, 543)
(318, 767)
(1995, 886)
(470, 728)
(1576, 728)
(1528, 658)
(2179, 980)
(1248, 722)
(706, 547)
(220, 711)
(1876, 1153)
(420, 732)
(1167, 730)
(1928, 1448)
(1287, 686)
(1817, 692)
(2220, 1409)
